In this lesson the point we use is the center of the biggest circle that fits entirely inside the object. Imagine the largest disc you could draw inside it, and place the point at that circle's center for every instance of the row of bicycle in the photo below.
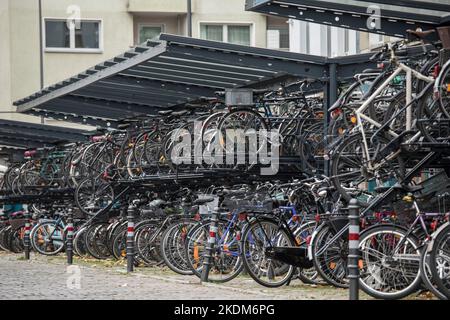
(276, 232)
(378, 127)
(148, 146)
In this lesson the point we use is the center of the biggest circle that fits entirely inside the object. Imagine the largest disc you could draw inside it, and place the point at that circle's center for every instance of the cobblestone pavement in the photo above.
(48, 278)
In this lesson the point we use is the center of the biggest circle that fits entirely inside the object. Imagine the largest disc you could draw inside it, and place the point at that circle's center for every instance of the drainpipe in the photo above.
(41, 53)
(189, 17)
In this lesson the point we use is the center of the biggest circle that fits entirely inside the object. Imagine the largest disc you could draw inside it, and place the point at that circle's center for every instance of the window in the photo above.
(149, 32)
(82, 37)
(278, 38)
(212, 32)
(231, 33)
(239, 35)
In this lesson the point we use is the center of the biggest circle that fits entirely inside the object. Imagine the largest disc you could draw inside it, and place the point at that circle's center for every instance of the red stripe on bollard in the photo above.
(353, 236)
(130, 229)
(212, 234)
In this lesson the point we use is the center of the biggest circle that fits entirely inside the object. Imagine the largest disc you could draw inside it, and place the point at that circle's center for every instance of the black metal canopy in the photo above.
(395, 16)
(24, 135)
(169, 73)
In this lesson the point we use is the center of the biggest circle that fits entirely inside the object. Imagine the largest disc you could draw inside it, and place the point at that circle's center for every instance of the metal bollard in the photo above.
(26, 237)
(213, 228)
(130, 237)
(69, 243)
(353, 246)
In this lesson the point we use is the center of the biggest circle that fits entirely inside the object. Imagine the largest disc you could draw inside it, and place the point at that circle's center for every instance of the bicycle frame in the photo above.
(360, 116)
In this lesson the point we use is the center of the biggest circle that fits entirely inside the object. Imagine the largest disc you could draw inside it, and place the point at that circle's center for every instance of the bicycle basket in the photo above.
(436, 185)
(260, 206)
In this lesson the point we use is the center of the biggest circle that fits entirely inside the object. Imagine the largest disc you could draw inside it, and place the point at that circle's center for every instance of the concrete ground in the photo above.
(49, 278)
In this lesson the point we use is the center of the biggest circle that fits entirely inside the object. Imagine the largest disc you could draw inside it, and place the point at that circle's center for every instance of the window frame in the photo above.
(148, 24)
(72, 48)
(225, 25)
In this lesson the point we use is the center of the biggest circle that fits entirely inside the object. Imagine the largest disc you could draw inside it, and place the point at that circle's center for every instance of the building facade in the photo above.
(323, 40)
(45, 41)
(74, 35)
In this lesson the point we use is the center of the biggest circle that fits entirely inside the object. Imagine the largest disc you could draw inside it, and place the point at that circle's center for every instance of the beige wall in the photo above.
(24, 44)
(231, 11)
(117, 27)
(5, 69)
(20, 46)
(174, 6)
(24, 62)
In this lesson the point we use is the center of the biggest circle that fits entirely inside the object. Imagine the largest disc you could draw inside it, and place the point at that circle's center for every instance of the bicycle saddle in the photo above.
(98, 138)
(17, 215)
(165, 112)
(123, 126)
(200, 202)
(420, 34)
(30, 153)
(157, 203)
(371, 71)
(180, 113)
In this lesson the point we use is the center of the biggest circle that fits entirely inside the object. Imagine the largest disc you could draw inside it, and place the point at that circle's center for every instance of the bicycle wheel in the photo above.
(228, 137)
(257, 240)
(226, 262)
(4, 238)
(148, 243)
(15, 240)
(432, 122)
(330, 255)
(173, 247)
(79, 243)
(2, 245)
(350, 170)
(119, 244)
(92, 196)
(302, 236)
(440, 261)
(427, 276)
(389, 265)
(442, 86)
(94, 238)
(47, 238)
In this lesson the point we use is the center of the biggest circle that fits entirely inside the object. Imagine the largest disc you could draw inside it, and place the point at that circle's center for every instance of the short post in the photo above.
(130, 237)
(69, 243)
(353, 246)
(207, 259)
(26, 237)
